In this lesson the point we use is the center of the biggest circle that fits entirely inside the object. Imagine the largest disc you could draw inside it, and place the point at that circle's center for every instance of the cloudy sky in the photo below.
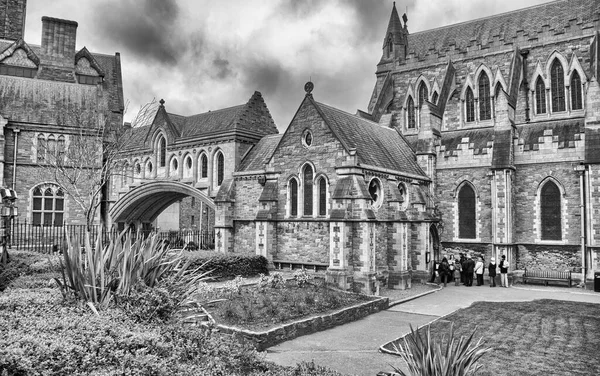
(205, 55)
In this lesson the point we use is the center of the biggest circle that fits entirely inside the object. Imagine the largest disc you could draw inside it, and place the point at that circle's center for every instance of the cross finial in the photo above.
(162, 102)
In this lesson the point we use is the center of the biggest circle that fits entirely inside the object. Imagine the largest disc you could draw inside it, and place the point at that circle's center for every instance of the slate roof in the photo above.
(592, 145)
(258, 156)
(554, 16)
(502, 153)
(478, 139)
(394, 28)
(565, 132)
(375, 145)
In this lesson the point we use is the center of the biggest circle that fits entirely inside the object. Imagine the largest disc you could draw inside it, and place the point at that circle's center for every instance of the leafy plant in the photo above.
(447, 357)
(302, 277)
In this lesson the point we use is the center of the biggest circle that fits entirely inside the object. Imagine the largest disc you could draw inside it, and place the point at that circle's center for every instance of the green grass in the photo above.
(543, 337)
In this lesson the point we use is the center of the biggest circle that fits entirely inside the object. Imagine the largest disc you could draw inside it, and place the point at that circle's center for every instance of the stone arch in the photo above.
(499, 80)
(468, 84)
(555, 55)
(483, 68)
(144, 203)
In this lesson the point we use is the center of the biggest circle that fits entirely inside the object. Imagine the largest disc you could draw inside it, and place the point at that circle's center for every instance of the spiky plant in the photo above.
(449, 356)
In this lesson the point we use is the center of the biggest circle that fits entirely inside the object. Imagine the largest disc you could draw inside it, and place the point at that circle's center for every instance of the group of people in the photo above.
(463, 269)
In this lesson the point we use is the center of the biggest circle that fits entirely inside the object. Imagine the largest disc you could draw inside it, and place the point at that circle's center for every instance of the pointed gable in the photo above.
(85, 63)
(163, 121)
(20, 54)
(394, 29)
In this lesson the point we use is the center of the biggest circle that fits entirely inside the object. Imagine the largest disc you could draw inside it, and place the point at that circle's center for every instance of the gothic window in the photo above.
(307, 183)
(550, 212)
(485, 109)
(540, 96)
(187, 167)
(174, 167)
(557, 86)
(149, 168)
(125, 176)
(60, 148)
(293, 198)
(470, 105)
(576, 96)
(41, 148)
(375, 192)
(423, 94)
(390, 46)
(220, 168)
(434, 97)
(138, 168)
(411, 113)
(48, 205)
(203, 166)
(466, 212)
(497, 91)
(322, 196)
(162, 152)
(51, 152)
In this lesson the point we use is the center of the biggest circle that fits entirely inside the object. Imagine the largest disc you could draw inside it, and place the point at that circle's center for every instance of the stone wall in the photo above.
(545, 257)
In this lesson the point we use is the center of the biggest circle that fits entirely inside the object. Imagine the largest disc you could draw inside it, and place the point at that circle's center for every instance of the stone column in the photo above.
(338, 272)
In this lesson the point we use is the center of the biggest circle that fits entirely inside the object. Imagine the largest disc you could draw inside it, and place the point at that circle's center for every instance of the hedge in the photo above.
(225, 266)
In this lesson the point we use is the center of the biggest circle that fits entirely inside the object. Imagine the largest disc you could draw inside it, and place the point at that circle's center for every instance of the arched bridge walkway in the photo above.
(144, 203)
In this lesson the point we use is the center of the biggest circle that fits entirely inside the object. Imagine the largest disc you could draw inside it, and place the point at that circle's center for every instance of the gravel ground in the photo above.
(416, 289)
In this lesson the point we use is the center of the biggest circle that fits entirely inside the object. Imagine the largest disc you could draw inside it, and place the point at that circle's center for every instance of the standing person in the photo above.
(479, 270)
(444, 270)
(434, 271)
(462, 261)
(457, 272)
(492, 272)
(504, 271)
(469, 269)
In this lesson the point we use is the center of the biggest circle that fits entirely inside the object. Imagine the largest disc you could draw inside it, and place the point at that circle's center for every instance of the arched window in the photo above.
(403, 195)
(423, 94)
(187, 167)
(322, 196)
(41, 148)
(149, 168)
(550, 212)
(125, 176)
(48, 205)
(138, 169)
(466, 212)
(51, 147)
(174, 167)
(375, 192)
(162, 152)
(557, 86)
(485, 109)
(203, 166)
(307, 184)
(60, 149)
(540, 96)
(497, 91)
(470, 105)
(576, 95)
(390, 46)
(434, 97)
(220, 168)
(293, 198)
(411, 113)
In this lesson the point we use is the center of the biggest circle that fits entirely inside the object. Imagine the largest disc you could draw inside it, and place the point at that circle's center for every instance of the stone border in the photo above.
(396, 302)
(271, 337)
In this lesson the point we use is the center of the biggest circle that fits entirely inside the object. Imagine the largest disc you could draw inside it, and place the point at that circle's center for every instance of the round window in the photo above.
(307, 139)
(375, 192)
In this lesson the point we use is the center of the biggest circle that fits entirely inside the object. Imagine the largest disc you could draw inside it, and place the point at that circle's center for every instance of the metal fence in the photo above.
(48, 239)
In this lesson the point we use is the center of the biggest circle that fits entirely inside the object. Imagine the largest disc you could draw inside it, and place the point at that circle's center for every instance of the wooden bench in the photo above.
(294, 265)
(547, 276)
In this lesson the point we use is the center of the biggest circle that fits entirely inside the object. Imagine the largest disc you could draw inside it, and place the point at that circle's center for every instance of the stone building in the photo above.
(199, 150)
(43, 91)
(482, 136)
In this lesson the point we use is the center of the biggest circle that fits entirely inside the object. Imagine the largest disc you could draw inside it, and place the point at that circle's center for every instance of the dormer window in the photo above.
(9, 70)
(88, 80)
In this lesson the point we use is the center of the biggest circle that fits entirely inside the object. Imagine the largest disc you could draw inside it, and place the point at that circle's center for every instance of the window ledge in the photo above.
(550, 242)
(459, 240)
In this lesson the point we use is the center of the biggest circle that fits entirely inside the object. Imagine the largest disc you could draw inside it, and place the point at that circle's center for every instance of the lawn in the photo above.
(543, 337)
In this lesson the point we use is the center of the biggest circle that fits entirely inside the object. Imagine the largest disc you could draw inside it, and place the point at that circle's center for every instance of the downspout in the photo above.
(583, 222)
(14, 172)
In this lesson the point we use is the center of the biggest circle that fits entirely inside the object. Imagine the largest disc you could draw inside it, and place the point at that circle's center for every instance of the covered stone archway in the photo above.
(142, 204)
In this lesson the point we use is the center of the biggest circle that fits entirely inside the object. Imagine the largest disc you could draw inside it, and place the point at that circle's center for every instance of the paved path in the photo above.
(352, 348)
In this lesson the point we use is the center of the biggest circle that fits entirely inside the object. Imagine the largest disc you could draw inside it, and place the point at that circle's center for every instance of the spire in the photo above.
(394, 42)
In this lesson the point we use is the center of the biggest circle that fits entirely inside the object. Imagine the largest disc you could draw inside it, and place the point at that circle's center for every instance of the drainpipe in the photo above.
(581, 169)
(14, 172)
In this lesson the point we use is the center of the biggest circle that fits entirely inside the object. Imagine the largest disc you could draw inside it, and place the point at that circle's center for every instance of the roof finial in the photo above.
(308, 87)
(162, 102)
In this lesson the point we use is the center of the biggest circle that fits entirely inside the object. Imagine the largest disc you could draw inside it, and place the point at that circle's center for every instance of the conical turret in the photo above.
(395, 40)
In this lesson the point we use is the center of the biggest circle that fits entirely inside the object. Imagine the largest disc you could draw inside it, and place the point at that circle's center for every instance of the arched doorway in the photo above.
(434, 243)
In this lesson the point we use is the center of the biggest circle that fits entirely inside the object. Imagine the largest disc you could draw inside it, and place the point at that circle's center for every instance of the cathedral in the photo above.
(480, 137)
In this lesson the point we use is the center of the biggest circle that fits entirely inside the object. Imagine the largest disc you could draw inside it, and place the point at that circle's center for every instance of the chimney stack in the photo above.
(58, 42)
(12, 19)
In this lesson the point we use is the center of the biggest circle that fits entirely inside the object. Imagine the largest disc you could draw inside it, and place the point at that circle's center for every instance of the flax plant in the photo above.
(450, 357)
(100, 273)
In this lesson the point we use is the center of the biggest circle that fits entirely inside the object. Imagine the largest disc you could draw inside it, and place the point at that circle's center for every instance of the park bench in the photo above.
(294, 265)
(547, 276)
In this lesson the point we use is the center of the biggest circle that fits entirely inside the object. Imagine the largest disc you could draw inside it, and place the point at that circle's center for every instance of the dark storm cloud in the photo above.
(223, 68)
(263, 75)
(144, 28)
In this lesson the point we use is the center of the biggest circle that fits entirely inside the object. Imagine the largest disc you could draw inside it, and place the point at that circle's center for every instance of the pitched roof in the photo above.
(258, 156)
(564, 132)
(394, 28)
(528, 22)
(375, 145)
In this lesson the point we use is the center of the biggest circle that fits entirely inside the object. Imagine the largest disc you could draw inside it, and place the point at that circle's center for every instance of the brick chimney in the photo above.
(12, 19)
(58, 42)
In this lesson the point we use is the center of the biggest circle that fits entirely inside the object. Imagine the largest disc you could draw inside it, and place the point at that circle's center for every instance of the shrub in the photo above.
(448, 356)
(224, 266)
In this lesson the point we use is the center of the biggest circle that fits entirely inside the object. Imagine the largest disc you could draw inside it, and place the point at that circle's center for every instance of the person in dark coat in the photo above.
(504, 271)
(492, 272)
(444, 271)
(462, 261)
(469, 269)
